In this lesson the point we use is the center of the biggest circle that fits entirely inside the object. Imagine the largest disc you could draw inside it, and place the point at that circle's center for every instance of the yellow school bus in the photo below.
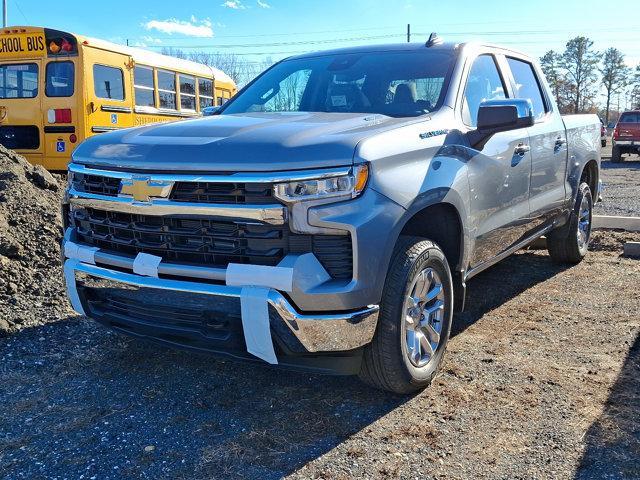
(57, 88)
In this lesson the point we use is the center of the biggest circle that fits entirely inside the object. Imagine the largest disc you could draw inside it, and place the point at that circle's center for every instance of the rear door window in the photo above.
(527, 85)
(59, 79)
(19, 80)
(108, 82)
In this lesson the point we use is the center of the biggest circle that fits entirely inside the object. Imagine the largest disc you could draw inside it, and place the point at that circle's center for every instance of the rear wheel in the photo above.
(569, 243)
(415, 319)
(616, 155)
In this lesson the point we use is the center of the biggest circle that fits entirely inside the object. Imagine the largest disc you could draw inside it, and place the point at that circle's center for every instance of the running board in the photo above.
(501, 256)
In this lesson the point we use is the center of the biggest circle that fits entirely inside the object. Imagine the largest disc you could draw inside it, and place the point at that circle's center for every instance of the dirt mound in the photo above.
(611, 240)
(31, 286)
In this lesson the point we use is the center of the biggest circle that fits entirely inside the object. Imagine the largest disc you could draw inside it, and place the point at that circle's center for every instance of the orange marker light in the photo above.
(362, 175)
(53, 47)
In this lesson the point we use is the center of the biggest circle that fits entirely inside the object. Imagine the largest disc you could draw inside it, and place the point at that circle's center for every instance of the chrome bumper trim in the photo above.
(173, 269)
(317, 332)
(244, 177)
(271, 214)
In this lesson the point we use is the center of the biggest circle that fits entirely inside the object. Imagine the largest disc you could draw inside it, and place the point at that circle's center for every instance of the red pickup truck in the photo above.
(626, 135)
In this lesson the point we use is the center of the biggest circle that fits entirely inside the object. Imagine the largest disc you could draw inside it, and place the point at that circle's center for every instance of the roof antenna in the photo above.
(434, 39)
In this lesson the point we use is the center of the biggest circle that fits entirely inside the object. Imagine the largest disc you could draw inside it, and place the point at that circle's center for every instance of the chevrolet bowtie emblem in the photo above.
(142, 189)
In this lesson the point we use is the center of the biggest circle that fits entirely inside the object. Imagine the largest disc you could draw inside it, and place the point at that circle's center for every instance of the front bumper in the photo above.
(297, 333)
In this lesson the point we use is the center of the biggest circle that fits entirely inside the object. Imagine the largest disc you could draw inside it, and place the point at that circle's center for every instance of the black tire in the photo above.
(563, 243)
(616, 155)
(386, 364)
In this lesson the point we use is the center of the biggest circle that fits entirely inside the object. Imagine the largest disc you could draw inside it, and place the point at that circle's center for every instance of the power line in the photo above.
(20, 10)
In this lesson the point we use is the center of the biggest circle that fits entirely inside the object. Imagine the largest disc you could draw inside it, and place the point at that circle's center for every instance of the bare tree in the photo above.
(580, 63)
(174, 52)
(240, 71)
(615, 75)
(635, 89)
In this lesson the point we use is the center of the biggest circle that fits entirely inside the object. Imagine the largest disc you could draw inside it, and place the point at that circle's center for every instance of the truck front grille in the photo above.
(205, 241)
(196, 192)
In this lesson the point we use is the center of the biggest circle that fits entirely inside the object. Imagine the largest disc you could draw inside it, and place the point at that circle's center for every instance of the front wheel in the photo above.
(415, 319)
(569, 243)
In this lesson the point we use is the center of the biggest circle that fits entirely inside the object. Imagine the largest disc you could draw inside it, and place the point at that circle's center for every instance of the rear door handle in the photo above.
(560, 142)
(522, 149)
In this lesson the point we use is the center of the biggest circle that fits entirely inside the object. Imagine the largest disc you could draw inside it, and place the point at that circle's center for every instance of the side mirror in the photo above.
(496, 116)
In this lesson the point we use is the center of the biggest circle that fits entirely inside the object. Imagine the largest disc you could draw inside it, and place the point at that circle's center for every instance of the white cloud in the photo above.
(151, 40)
(262, 4)
(193, 28)
(234, 4)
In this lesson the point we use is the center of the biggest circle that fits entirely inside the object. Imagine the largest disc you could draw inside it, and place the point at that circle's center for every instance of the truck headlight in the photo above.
(347, 186)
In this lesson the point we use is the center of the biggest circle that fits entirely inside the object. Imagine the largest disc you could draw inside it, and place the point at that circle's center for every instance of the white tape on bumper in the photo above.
(146, 264)
(255, 323)
(72, 289)
(279, 278)
(299, 272)
(80, 252)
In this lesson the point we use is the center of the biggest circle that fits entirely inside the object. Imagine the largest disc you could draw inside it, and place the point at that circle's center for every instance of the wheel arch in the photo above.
(591, 175)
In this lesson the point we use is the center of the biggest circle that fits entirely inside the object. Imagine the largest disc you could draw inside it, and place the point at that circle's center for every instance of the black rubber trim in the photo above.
(59, 129)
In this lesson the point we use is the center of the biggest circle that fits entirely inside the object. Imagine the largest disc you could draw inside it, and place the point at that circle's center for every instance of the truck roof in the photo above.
(399, 47)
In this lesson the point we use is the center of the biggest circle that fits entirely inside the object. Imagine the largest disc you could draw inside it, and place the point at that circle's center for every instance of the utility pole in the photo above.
(4, 13)
(408, 31)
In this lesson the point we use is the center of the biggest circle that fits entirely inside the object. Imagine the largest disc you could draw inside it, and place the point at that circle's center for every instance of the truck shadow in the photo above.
(81, 399)
(632, 163)
(613, 440)
(501, 282)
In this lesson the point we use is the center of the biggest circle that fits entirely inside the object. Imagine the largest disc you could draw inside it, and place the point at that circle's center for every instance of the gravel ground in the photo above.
(542, 380)
(621, 185)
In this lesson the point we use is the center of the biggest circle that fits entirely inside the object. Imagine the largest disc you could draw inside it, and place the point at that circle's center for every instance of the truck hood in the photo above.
(244, 142)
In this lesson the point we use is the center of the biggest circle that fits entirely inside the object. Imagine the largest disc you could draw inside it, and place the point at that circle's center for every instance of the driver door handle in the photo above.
(560, 142)
(522, 149)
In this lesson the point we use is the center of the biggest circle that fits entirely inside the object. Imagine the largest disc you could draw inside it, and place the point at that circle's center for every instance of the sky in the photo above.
(261, 30)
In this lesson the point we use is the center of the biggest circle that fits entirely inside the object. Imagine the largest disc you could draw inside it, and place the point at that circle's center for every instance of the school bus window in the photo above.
(19, 80)
(143, 85)
(167, 89)
(187, 92)
(108, 82)
(59, 79)
(205, 90)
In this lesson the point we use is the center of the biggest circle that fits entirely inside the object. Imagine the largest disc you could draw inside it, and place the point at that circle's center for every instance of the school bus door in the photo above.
(108, 83)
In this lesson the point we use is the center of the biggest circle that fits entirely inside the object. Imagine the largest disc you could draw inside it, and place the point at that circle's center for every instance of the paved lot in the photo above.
(541, 381)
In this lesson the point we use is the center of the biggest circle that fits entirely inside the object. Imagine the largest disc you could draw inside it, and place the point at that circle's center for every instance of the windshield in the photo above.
(407, 83)
(19, 80)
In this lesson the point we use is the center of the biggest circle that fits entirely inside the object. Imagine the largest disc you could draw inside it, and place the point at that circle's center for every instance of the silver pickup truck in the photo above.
(328, 216)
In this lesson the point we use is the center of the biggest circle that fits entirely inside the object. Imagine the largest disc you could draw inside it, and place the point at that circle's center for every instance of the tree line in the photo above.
(577, 74)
